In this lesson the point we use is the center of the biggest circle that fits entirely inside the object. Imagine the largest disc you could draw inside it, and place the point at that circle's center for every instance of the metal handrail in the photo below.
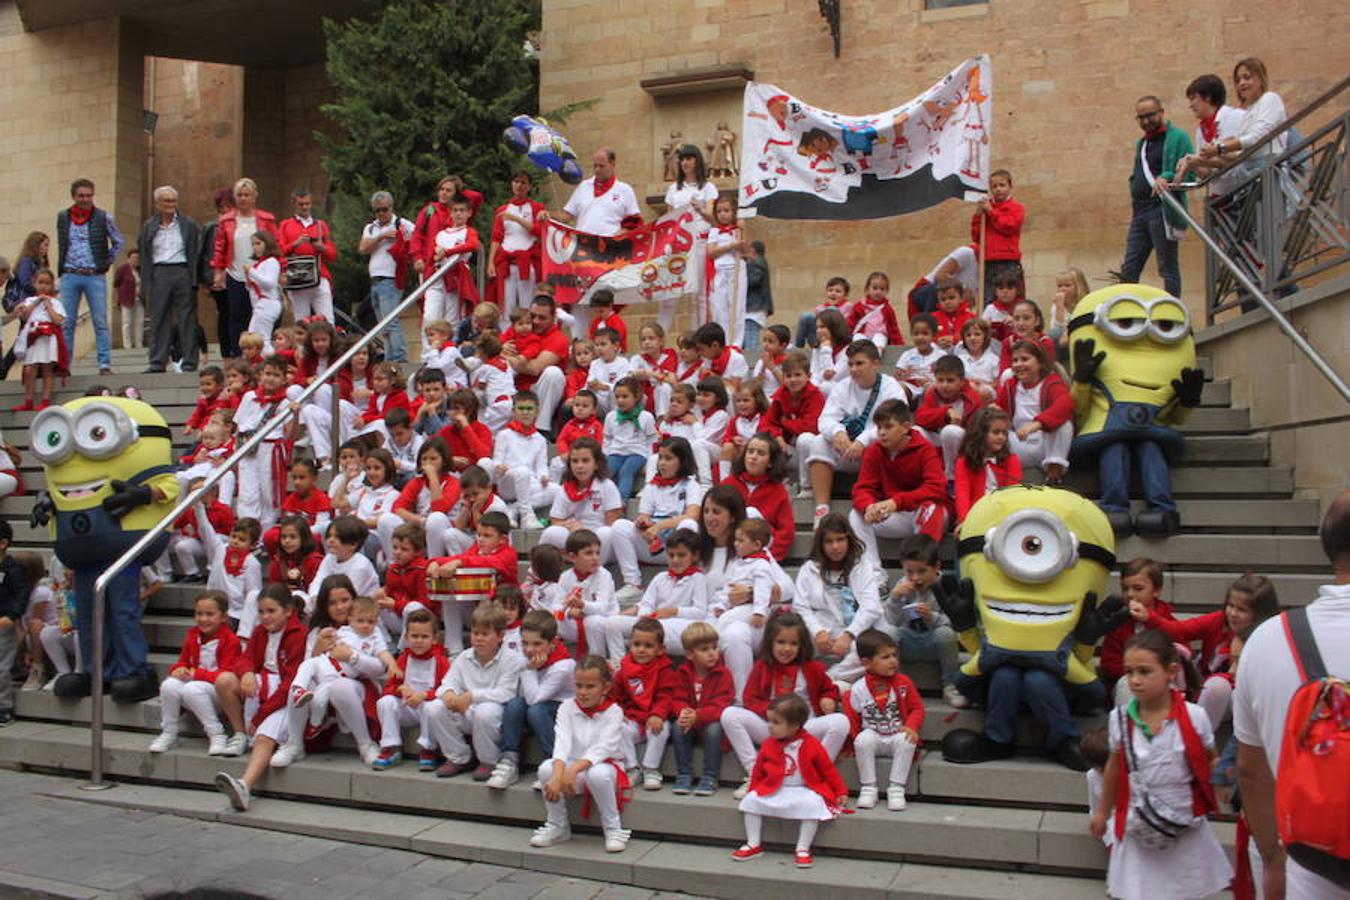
(96, 781)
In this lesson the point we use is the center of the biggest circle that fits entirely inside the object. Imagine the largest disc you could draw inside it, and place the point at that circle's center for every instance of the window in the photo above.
(948, 4)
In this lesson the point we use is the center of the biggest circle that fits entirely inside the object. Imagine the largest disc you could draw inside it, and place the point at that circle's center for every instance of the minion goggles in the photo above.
(95, 430)
(1034, 545)
(1132, 327)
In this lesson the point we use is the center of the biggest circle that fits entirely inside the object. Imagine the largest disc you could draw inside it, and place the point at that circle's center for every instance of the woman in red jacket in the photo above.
(232, 257)
(985, 461)
(209, 650)
(757, 475)
(1042, 411)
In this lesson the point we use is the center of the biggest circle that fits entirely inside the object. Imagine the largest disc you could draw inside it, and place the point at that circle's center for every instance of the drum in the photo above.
(302, 272)
(467, 585)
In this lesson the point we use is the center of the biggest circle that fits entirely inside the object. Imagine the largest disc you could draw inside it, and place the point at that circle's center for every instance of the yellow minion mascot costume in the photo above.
(1134, 379)
(1035, 560)
(109, 468)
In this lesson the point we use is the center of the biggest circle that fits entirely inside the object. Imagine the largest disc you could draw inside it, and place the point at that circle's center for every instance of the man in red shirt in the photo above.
(304, 235)
(538, 358)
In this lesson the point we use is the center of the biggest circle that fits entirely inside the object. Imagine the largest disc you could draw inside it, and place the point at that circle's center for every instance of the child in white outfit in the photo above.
(316, 674)
(410, 696)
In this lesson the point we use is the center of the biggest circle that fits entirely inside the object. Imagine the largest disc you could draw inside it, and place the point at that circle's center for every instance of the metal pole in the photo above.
(335, 435)
(127, 558)
(1285, 325)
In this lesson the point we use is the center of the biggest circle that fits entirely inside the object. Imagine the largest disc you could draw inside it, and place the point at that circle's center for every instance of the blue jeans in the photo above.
(1008, 689)
(684, 749)
(1155, 476)
(1148, 235)
(936, 643)
(806, 330)
(752, 330)
(95, 290)
(925, 298)
(624, 469)
(384, 296)
(517, 715)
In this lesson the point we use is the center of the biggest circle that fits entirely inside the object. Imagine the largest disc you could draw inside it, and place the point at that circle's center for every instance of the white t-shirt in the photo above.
(1229, 121)
(241, 257)
(1267, 680)
(680, 197)
(601, 215)
(967, 267)
(1026, 404)
(515, 236)
(382, 264)
(590, 510)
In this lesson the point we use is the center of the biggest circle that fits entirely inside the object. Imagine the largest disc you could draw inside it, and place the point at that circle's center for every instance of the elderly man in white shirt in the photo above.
(170, 246)
(378, 239)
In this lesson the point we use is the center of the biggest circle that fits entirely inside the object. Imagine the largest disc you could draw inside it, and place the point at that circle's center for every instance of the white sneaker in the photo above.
(652, 780)
(867, 796)
(616, 839)
(236, 745)
(740, 792)
(550, 833)
(822, 510)
(505, 774)
(369, 753)
(895, 798)
(529, 520)
(234, 789)
(627, 594)
(34, 680)
(954, 698)
(286, 754)
(166, 741)
(216, 744)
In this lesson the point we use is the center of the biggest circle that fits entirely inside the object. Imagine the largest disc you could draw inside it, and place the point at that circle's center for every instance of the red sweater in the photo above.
(228, 650)
(864, 309)
(279, 564)
(472, 443)
(791, 416)
(646, 691)
(1003, 232)
(289, 656)
(295, 240)
(1056, 404)
(760, 688)
(407, 498)
(912, 477)
(970, 486)
(1112, 662)
(218, 514)
(707, 697)
(1211, 630)
(201, 413)
(504, 560)
(379, 405)
(1005, 352)
(395, 682)
(577, 428)
(774, 504)
(932, 412)
(907, 699)
(615, 321)
(408, 582)
(817, 769)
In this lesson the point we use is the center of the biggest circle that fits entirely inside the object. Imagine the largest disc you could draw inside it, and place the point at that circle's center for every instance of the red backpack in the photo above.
(1312, 787)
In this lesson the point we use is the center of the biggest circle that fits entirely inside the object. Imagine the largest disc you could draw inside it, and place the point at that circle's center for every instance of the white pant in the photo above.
(62, 649)
(185, 555)
(457, 541)
(133, 324)
(817, 448)
(797, 456)
(482, 720)
(346, 696)
(307, 302)
(315, 672)
(635, 733)
(1216, 697)
(437, 526)
(619, 628)
(596, 632)
(624, 531)
(1043, 447)
(200, 699)
(549, 389)
(517, 292)
(868, 745)
(612, 549)
(949, 441)
(745, 731)
(521, 486)
(318, 423)
(739, 640)
(438, 303)
(661, 393)
(264, 319)
(600, 781)
(902, 524)
(255, 487)
(395, 715)
(455, 613)
(726, 302)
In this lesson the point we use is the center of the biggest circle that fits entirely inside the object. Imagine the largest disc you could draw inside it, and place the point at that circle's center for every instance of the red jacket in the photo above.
(759, 688)
(792, 416)
(774, 504)
(294, 240)
(951, 325)
(473, 443)
(407, 498)
(218, 514)
(1005, 351)
(309, 507)
(708, 697)
(1211, 630)
(932, 411)
(970, 486)
(615, 321)
(576, 428)
(907, 699)
(442, 666)
(378, 406)
(201, 413)
(1003, 232)
(656, 694)
(1056, 404)
(505, 561)
(228, 649)
(1112, 662)
(279, 565)
(408, 582)
(223, 253)
(912, 477)
(289, 656)
(576, 381)
(863, 308)
(816, 767)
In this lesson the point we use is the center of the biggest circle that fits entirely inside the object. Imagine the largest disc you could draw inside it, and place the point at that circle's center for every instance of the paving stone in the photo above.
(569, 889)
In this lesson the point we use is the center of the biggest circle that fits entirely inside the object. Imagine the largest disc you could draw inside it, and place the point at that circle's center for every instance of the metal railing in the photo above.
(186, 503)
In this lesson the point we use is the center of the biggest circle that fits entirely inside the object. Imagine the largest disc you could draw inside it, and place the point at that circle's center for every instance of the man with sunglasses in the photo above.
(386, 240)
(1153, 229)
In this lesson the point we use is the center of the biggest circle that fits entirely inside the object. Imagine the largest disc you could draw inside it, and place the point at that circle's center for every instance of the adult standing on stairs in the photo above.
(170, 246)
(1153, 229)
(1270, 677)
(87, 242)
(234, 255)
(304, 235)
(601, 205)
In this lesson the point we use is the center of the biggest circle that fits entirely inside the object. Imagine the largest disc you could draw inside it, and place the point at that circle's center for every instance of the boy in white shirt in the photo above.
(725, 362)
(455, 243)
(678, 597)
(608, 367)
(585, 596)
(629, 435)
(519, 463)
(262, 475)
(545, 682)
(408, 697)
(915, 365)
(480, 682)
(403, 443)
(344, 540)
(476, 499)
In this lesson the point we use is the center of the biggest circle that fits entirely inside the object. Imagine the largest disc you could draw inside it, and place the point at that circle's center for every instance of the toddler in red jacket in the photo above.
(885, 714)
(705, 693)
(209, 649)
(646, 687)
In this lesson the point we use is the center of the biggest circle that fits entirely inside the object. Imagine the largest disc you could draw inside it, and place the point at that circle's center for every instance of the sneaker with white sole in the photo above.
(286, 754)
(616, 839)
(216, 744)
(236, 744)
(505, 774)
(867, 796)
(235, 790)
(822, 510)
(652, 780)
(550, 833)
(529, 521)
(740, 792)
(954, 698)
(370, 751)
(895, 798)
(300, 697)
(34, 680)
(627, 594)
(166, 741)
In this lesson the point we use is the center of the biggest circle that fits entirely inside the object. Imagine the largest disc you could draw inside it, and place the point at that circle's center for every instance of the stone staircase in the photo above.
(1015, 827)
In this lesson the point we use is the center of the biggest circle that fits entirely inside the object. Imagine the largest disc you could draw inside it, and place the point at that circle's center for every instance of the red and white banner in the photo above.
(662, 260)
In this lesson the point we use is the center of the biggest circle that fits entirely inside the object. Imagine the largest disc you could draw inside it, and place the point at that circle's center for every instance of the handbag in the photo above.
(1152, 822)
(302, 272)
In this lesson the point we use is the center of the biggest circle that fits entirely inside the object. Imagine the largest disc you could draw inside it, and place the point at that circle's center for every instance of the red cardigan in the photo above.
(1003, 233)
(665, 691)
(912, 477)
(951, 325)
(473, 443)
(817, 769)
(774, 504)
(294, 240)
(970, 485)
(1005, 351)
(227, 654)
(442, 666)
(1056, 404)
(378, 406)
(932, 412)
(1211, 630)
(759, 688)
(223, 253)
(201, 413)
(289, 656)
(405, 583)
(792, 416)
(1112, 662)
(717, 693)
(861, 309)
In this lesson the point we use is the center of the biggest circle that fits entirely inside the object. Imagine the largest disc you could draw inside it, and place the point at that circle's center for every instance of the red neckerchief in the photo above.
(880, 689)
(1209, 128)
(728, 229)
(784, 678)
(234, 561)
(580, 576)
(643, 677)
(497, 362)
(677, 576)
(601, 187)
(518, 428)
(264, 398)
(759, 554)
(597, 709)
(557, 654)
(661, 481)
(778, 360)
(698, 364)
(1157, 132)
(654, 362)
(753, 481)
(719, 365)
(1202, 792)
(81, 216)
(575, 492)
(515, 623)
(436, 651)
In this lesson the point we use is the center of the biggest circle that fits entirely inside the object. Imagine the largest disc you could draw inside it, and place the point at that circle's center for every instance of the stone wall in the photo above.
(1066, 76)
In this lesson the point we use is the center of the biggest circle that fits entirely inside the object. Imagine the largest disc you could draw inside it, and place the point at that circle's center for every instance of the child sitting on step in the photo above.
(885, 714)
(209, 649)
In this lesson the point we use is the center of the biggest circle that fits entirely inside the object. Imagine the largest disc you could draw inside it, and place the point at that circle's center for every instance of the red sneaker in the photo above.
(43, 405)
(428, 760)
(803, 859)
(745, 853)
(26, 406)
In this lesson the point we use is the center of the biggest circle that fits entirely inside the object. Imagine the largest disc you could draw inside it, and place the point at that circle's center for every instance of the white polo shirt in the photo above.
(602, 215)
